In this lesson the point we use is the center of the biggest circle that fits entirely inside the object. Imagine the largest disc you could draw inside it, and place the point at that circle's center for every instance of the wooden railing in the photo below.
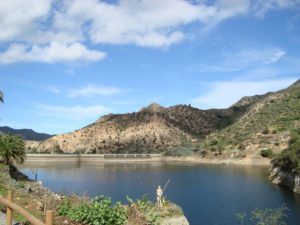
(11, 206)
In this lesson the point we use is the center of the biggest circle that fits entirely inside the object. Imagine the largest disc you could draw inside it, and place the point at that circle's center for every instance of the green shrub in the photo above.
(289, 159)
(266, 153)
(100, 211)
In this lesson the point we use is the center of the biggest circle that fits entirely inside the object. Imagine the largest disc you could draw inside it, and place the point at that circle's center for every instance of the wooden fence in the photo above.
(11, 206)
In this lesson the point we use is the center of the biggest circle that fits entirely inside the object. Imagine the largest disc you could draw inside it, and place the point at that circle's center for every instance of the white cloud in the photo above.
(225, 94)
(73, 112)
(64, 28)
(261, 7)
(244, 59)
(93, 90)
(21, 17)
(54, 52)
(151, 23)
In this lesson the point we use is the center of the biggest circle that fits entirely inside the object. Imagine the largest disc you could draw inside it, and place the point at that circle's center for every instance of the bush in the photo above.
(289, 159)
(266, 153)
(180, 151)
(100, 211)
(266, 131)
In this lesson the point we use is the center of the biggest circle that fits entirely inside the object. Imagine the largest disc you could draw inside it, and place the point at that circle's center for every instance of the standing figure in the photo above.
(159, 193)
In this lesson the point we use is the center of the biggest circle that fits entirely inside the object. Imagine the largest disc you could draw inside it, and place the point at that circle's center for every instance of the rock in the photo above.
(40, 205)
(297, 184)
(66, 222)
(175, 221)
(29, 189)
(280, 177)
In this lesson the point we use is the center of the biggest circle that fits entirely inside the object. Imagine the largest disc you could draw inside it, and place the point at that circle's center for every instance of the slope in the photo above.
(267, 124)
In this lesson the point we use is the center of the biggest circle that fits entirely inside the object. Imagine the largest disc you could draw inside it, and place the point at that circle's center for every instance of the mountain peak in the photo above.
(153, 107)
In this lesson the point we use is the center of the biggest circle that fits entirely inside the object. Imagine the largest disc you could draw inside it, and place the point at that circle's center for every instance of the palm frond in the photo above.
(1, 97)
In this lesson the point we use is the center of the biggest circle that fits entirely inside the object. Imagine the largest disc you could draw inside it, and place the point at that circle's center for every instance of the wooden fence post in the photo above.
(49, 217)
(9, 212)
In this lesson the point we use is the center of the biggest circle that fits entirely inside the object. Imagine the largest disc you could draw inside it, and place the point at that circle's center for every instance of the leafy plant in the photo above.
(64, 207)
(100, 211)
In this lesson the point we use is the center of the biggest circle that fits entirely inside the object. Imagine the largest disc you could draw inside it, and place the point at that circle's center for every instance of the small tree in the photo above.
(12, 149)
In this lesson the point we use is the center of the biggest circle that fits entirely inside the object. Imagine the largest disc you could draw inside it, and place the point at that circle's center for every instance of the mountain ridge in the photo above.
(27, 134)
(159, 129)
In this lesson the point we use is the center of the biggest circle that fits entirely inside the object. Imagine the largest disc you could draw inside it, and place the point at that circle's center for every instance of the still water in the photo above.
(208, 194)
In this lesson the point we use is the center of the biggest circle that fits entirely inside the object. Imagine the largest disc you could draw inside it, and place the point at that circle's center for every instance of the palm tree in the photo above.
(12, 149)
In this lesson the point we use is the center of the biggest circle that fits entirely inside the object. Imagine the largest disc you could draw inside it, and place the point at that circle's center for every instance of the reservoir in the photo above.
(208, 194)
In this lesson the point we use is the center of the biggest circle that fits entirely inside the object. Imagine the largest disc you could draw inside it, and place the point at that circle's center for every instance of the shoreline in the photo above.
(136, 158)
(229, 161)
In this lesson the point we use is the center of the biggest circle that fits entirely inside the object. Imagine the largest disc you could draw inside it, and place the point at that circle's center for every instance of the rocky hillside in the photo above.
(152, 129)
(254, 124)
(27, 134)
(266, 126)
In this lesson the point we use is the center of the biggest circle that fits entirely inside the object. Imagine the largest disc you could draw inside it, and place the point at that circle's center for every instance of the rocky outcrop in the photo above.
(280, 177)
(175, 221)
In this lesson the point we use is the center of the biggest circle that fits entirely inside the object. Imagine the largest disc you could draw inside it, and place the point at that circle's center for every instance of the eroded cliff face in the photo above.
(280, 177)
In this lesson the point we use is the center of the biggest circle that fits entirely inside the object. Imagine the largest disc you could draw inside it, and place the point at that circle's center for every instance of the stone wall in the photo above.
(92, 158)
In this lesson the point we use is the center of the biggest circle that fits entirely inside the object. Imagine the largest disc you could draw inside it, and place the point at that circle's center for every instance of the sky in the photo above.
(65, 63)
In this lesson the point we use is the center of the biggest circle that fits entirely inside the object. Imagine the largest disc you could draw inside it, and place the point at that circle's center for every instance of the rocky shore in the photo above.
(280, 177)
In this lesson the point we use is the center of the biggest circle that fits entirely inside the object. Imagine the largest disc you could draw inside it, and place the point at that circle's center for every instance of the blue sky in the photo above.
(65, 63)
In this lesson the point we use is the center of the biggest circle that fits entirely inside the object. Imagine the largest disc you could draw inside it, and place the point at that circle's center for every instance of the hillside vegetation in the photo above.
(266, 127)
(289, 159)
